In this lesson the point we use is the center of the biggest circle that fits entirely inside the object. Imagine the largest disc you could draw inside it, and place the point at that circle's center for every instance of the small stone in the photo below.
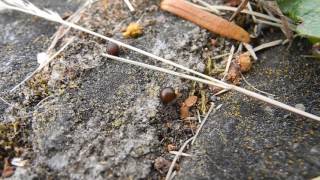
(113, 49)
(162, 165)
(300, 106)
(167, 95)
(201, 67)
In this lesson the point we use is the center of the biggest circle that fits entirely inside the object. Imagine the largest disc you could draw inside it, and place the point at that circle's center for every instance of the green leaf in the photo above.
(306, 13)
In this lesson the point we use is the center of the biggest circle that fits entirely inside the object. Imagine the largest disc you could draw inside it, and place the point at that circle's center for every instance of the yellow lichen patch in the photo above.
(134, 30)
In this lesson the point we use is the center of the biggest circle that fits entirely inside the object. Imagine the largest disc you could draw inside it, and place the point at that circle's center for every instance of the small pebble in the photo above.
(167, 95)
(113, 49)
(300, 106)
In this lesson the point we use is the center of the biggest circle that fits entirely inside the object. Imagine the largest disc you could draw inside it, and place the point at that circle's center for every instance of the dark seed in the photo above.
(167, 95)
(113, 49)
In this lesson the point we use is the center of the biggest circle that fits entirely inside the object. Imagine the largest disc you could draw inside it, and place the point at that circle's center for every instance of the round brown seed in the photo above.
(113, 49)
(167, 95)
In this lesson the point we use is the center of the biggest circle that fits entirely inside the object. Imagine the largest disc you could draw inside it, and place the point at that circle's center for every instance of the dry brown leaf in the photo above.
(171, 147)
(184, 111)
(190, 101)
(234, 74)
(205, 19)
(162, 165)
(233, 2)
(7, 169)
(245, 62)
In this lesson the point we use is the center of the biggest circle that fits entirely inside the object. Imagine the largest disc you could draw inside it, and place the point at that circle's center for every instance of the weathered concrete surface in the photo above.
(103, 120)
(248, 139)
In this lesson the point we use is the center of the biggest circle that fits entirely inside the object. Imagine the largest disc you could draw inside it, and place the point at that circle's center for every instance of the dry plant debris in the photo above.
(234, 74)
(134, 30)
(233, 2)
(244, 60)
(206, 20)
(186, 105)
(162, 165)
(8, 170)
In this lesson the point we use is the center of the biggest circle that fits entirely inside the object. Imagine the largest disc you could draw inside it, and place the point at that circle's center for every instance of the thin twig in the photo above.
(221, 92)
(63, 30)
(220, 56)
(204, 121)
(221, 85)
(228, 62)
(214, 10)
(173, 175)
(42, 65)
(269, 23)
(263, 92)
(268, 45)
(131, 8)
(6, 102)
(228, 8)
(239, 9)
(251, 51)
(182, 154)
(198, 114)
(168, 176)
(251, 11)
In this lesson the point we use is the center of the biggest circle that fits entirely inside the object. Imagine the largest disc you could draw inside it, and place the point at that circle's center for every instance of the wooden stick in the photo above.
(239, 9)
(206, 20)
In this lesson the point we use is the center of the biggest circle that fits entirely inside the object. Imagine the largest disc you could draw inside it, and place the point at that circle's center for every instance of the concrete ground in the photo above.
(88, 117)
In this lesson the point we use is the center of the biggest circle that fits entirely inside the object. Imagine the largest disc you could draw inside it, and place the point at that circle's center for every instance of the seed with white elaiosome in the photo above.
(113, 49)
(167, 95)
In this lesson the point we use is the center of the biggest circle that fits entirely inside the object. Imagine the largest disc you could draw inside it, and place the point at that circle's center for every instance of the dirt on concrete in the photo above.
(88, 117)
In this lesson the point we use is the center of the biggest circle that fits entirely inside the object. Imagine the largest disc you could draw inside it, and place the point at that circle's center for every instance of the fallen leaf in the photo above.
(7, 169)
(171, 147)
(134, 30)
(206, 20)
(162, 165)
(245, 62)
(184, 111)
(190, 101)
(234, 74)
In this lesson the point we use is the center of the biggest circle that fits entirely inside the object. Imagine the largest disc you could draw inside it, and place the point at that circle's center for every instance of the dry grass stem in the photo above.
(131, 8)
(221, 85)
(263, 92)
(228, 63)
(239, 9)
(173, 175)
(198, 115)
(220, 56)
(168, 176)
(182, 75)
(204, 120)
(207, 5)
(228, 8)
(6, 102)
(269, 23)
(251, 51)
(43, 65)
(268, 45)
(221, 92)
(251, 12)
(63, 30)
(182, 154)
